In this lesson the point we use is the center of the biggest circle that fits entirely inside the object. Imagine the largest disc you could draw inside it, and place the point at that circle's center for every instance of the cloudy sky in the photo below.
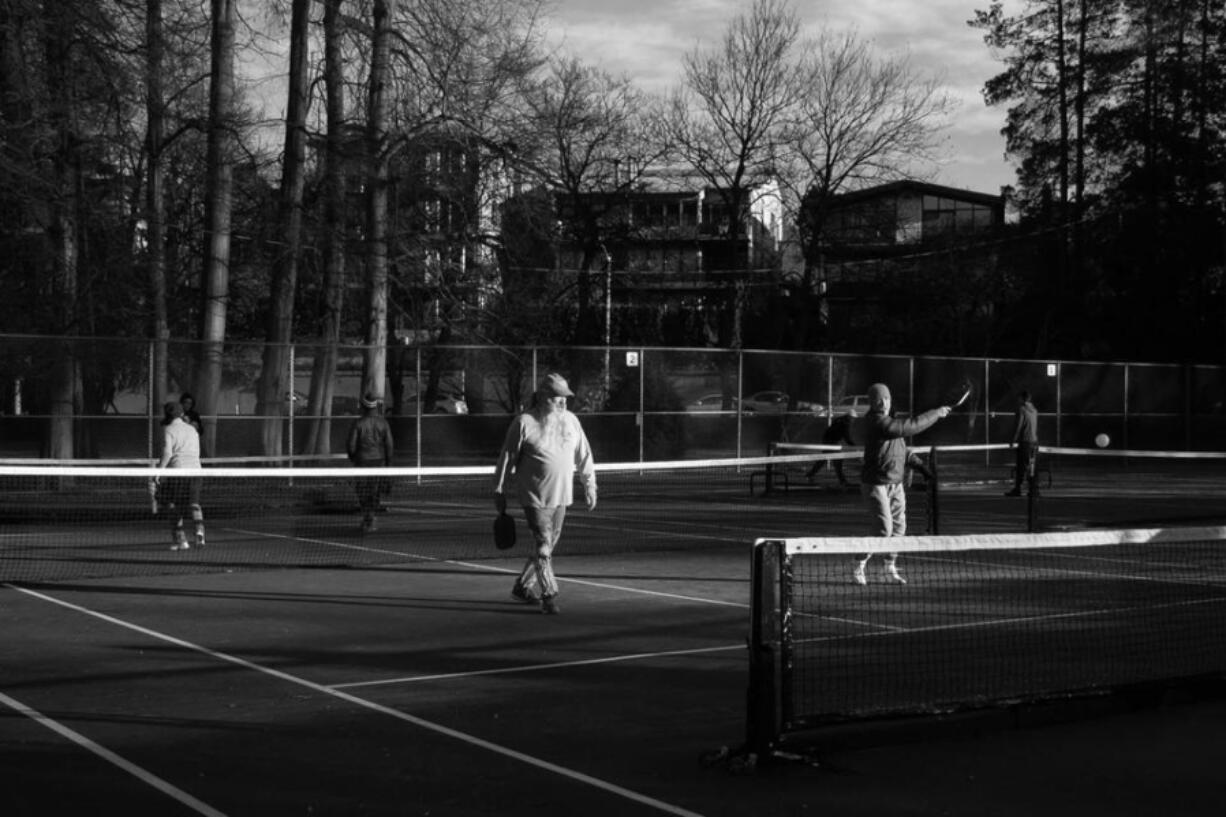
(645, 40)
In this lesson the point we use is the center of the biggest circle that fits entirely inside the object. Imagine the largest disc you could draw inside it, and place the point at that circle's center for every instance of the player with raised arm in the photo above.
(885, 463)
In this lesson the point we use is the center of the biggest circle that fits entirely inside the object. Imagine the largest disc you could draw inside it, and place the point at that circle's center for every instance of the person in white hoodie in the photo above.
(180, 450)
(543, 448)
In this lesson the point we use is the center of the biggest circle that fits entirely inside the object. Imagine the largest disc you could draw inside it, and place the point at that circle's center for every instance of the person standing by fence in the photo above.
(1025, 442)
(370, 445)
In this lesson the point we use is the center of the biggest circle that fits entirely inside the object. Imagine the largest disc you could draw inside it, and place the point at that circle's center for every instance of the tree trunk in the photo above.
(375, 375)
(218, 204)
(324, 370)
(62, 230)
(155, 201)
(276, 382)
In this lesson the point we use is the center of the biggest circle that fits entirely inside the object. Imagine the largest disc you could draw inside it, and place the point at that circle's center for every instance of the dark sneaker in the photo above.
(1014, 492)
(520, 594)
(548, 606)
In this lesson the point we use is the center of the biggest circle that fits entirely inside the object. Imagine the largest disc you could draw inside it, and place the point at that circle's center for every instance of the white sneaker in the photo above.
(858, 576)
(891, 571)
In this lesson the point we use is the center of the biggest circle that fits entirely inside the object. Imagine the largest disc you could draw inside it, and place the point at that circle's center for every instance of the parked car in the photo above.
(710, 402)
(766, 402)
(777, 402)
(451, 404)
(443, 404)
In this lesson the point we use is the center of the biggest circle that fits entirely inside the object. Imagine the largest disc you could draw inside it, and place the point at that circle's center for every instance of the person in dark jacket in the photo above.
(839, 433)
(370, 446)
(885, 465)
(1025, 441)
(190, 415)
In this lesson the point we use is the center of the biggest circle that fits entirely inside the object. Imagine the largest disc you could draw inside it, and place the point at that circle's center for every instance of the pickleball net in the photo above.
(983, 621)
(71, 521)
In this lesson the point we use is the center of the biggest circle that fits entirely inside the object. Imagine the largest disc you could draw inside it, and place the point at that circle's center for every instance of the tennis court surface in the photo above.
(298, 666)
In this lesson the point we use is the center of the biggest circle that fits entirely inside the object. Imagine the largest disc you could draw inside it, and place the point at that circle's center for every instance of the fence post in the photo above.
(740, 374)
(293, 398)
(1059, 404)
(420, 398)
(150, 398)
(987, 409)
(640, 419)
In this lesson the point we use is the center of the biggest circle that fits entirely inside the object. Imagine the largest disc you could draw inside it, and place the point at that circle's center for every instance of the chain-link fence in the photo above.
(450, 404)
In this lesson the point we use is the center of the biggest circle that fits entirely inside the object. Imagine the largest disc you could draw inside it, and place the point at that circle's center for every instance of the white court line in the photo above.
(537, 667)
(109, 756)
(492, 568)
(573, 521)
(397, 714)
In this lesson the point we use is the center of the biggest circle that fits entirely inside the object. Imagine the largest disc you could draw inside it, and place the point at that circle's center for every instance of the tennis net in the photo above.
(982, 621)
(64, 522)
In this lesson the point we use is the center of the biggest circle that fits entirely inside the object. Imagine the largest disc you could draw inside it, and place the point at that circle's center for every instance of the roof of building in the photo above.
(922, 188)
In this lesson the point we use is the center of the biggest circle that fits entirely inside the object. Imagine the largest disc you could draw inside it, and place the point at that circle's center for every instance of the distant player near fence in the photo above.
(370, 445)
(1025, 441)
(839, 433)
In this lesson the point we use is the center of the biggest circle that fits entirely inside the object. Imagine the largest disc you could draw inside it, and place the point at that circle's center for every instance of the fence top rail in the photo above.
(358, 345)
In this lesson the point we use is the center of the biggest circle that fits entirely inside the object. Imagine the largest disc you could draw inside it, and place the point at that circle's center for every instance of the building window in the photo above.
(946, 216)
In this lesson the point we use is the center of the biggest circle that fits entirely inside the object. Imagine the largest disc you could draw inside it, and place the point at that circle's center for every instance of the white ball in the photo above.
(1102, 441)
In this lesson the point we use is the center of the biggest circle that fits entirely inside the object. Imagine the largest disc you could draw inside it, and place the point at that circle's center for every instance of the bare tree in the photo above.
(862, 119)
(598, 133)
(726, 119)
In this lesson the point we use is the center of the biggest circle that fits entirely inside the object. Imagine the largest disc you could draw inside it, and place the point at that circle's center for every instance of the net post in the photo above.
(763, 722)
(1032, 492)
(770, 470)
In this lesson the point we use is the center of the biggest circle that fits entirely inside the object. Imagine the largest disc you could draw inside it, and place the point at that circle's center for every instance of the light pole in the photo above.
(608, 314)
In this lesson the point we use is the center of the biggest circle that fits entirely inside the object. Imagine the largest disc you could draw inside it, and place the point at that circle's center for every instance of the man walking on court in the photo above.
(180, 449)
(543, 448)
(1025, 441)
(885, 464)
(370, 446)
